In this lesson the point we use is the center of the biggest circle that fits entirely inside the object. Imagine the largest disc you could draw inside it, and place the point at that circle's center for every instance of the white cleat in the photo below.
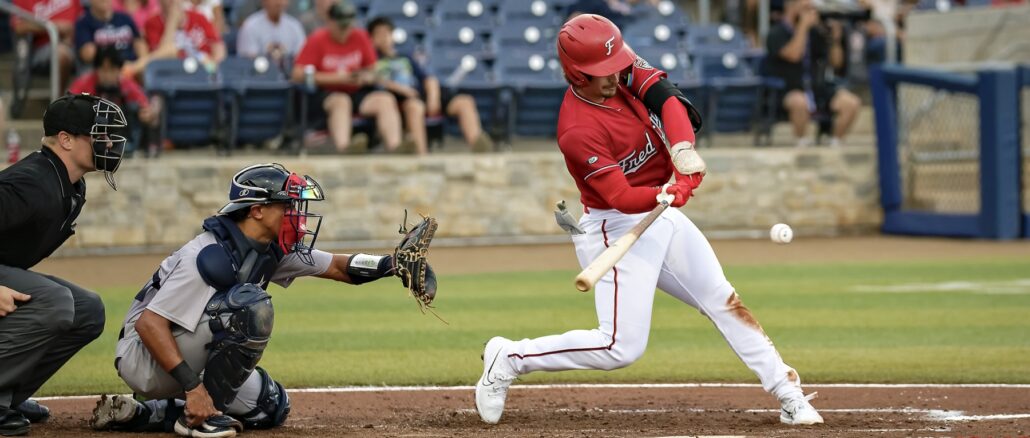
(492, 388)
(797, 411)
(113, 410)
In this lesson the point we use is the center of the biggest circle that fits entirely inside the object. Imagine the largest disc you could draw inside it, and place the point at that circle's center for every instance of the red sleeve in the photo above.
(310, 53)
(589, 159)
(676, 122)
(642, 77)
(71, 13)
(24, 4)
(209, 30)
(153, 29)
(133, 92)
(84, 84)
(368, 51)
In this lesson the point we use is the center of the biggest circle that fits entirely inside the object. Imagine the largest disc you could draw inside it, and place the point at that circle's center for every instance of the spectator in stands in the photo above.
(271, 32)
(107, 81)
(316, 17)
(63, 14)
(139, 10)
(103, 26)
(419, 94)
(178, 33)
(211, 10)
(801, 52)
(342, 56)
(243, 9)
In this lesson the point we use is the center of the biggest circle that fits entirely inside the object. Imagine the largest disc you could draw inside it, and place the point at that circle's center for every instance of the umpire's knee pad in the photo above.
(273, 405)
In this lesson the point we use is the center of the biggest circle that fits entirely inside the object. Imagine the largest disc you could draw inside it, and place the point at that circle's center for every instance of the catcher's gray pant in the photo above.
(139, 370)
(43, 333)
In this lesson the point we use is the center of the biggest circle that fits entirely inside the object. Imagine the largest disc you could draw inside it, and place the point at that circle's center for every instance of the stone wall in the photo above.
(477, 199)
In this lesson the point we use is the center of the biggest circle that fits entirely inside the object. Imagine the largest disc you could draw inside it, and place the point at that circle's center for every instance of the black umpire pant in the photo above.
(41, 335)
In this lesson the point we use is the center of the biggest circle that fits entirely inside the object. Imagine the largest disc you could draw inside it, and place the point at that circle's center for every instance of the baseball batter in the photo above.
(615, 123)
(194, 334)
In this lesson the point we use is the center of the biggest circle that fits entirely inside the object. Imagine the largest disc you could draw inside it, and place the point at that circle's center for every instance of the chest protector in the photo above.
(233, 259)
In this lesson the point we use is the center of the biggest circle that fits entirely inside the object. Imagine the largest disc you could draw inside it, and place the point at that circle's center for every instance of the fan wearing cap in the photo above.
(343, 59)
(615, 127)
(195, 333)
(45, 320)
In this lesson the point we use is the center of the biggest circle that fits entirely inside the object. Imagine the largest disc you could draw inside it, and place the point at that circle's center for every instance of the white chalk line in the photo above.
(927, 414)
(1007, 287)
(335, 389)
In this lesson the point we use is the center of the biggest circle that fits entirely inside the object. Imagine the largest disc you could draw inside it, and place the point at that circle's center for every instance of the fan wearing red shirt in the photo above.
(63, 13)
(343, 59)
(178, 33)
(107, 81)
(615, 124)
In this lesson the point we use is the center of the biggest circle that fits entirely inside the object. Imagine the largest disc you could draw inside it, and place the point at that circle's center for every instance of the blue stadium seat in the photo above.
(479, 11)
(653, 32)
(539, 89)
(671, 60)
(458, 36)
(723, 36)
(522, 38)
(543, 12)
(193, 108)
(464, 73)
(260, 101)
(409, 14)
(734, 91)
(666, 10)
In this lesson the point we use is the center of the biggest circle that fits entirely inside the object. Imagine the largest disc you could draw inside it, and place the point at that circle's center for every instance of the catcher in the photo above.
(194, 335)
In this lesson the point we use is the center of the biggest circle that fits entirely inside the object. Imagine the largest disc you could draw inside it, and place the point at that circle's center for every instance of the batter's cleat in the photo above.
(492, 388)
(218, 426)
(113, 410)
(34, 412)
(797, 411)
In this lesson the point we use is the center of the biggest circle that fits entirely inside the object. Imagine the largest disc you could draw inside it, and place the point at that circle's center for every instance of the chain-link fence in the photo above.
(938, 153)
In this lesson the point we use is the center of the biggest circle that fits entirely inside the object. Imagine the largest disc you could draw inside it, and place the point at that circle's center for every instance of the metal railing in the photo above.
(51, 30)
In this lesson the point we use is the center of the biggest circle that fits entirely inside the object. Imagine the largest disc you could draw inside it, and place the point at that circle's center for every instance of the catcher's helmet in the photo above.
(592, 45)
(272, 183)
(101, 119)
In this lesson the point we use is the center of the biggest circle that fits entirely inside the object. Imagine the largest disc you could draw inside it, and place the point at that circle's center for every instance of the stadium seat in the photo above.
(733, 90)
(459, 36)
(409, 15)
(464, 73)
(260, 100)
(523, 38)
(722, 36)
(665, 10)
(671, 60)
(543, 12)
(480, 12)
(193, 100)
(653, 32)
(538, 90)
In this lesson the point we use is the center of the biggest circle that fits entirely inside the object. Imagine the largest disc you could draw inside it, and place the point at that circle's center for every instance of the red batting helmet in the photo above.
(591, 45)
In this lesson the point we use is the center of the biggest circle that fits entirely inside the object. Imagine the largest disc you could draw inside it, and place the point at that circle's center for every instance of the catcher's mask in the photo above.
(272, 183)
(101, 119)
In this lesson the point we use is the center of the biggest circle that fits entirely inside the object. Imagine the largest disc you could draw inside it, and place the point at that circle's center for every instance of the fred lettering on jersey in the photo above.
(618, 134)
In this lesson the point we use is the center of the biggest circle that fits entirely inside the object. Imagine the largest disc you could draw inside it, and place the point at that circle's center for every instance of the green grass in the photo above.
(334, 334)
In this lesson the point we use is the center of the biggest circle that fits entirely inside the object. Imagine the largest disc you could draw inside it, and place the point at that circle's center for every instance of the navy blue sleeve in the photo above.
(83, 32)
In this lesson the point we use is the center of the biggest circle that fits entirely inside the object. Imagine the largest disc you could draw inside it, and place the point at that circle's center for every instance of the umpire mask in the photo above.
(101, 119)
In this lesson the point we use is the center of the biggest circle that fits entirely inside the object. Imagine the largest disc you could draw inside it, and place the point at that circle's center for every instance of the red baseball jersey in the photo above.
(619, 135)
(131, 91)
(198, 32)
(329, 55)
(53, 10)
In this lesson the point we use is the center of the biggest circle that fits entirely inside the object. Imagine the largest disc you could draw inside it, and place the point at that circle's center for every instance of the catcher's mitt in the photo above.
(410, 260)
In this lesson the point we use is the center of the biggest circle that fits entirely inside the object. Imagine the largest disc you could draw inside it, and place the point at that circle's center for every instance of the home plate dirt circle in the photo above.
(666, 410)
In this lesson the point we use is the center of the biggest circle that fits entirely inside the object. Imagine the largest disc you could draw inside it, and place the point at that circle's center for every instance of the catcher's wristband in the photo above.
(363, 268)
(185, 375)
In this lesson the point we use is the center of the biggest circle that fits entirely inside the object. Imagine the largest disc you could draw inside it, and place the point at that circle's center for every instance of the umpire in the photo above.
(45, 320)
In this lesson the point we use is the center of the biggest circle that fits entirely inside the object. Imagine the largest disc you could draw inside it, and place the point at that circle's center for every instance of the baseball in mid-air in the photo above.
(781, 233)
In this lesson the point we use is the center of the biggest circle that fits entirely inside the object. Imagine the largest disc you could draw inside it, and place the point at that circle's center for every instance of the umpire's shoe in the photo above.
(12, 422)
(112, 411)
(214, 427)
(492, 388)
(34, 412)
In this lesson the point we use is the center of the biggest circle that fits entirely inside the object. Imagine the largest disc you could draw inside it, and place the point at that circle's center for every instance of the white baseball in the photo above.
(781, 233)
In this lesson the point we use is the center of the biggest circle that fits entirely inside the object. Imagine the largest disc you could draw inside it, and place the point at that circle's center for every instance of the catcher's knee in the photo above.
(273, 405)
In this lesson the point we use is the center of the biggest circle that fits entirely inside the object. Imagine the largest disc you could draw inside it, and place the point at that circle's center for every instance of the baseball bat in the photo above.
(604, 262)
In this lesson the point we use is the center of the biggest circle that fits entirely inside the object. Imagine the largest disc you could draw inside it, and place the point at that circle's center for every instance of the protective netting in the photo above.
(1025, 103)
(939, 144)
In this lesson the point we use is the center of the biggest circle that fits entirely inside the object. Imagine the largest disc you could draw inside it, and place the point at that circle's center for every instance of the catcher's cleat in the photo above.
(217, 426)
(492, 388)
(797, 411)
(113, 410)
(34, 412)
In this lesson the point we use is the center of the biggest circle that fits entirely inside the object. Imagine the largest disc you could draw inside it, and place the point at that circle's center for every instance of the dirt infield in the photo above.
(628, 411)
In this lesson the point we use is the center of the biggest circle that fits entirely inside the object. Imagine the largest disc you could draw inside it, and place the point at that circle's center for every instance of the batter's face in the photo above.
(601, 87)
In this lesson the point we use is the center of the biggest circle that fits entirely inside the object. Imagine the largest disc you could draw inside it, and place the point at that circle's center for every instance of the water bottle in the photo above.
(13, 146)
(309, 77)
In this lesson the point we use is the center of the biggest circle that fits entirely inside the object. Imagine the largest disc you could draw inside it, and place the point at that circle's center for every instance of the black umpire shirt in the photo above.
(38, 207)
